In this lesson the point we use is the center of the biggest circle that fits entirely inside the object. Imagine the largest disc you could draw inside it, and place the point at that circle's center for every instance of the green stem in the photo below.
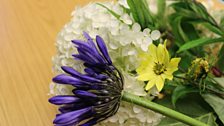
(161, 109)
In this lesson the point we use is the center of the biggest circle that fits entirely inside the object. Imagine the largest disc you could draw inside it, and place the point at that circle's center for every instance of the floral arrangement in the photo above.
(140, 63)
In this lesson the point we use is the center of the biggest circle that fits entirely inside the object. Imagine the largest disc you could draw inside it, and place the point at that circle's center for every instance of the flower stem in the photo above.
(161, 109)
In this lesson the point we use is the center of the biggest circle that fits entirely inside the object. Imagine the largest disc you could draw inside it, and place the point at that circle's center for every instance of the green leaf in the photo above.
(175, 22)
(213, 28)
(222, 22)
(216, 103)
(199, 42)
(133, 10)
(221, 59)
(185, 61)
(192, 105)
(220, 81)
(161, 4)
(190, 31)
(141, 14)
(181, 91)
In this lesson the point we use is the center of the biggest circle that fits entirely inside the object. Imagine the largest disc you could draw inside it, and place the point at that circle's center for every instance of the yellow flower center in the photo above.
(159, 68)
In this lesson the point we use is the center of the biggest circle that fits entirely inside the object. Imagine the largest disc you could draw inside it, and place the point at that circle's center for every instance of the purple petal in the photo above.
(65, 79)
(71, 117)
(75, 73)
(80, 43)
(103, 49)
(83, 58)
(63, 99)
(89, 40)
(101, 76)
(81, 93)
(90, 71)
(91, 43)
(90, 54)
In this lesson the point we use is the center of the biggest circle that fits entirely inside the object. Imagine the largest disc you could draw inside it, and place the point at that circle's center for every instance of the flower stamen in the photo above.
(159, 68)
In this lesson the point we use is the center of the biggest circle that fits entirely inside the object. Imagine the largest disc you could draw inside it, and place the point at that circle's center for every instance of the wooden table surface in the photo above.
(28, 29)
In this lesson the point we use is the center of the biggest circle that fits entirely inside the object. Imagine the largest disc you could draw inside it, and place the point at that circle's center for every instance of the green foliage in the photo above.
(161, 4)
(182, 91)
(199, 42)
(185, 62)
(220, 81)
(184, 20)
(222, 22)
(216, 103)
(192, 105)
(141, 14)
(221, 59)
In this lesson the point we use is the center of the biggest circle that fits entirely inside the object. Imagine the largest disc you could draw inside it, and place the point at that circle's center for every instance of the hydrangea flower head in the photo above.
(97, 93)
(156, 66)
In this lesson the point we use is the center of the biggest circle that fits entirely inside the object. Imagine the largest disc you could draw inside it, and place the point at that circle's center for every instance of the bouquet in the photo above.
(140, 63)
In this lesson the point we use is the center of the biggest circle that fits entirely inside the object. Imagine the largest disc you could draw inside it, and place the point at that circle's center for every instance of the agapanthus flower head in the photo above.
(156, 66)
(97, 92)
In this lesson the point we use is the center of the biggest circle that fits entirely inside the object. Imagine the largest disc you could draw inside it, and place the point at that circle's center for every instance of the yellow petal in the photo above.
(160, 53)
(173, 65)
(146, 59)
(141, 68)
(159, 83)
(166, 55)
(149, 85)
(153, 54)
(167, 76)
(145, 66)
(143, 56)
(146, 76)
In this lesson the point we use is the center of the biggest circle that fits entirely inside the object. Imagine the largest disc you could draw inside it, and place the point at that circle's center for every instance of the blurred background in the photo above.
(28, 29)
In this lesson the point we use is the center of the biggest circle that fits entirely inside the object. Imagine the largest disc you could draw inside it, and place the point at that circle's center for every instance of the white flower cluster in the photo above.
(124, 40)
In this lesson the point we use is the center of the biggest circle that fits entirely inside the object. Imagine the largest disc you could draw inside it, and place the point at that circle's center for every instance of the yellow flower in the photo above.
(156, 66)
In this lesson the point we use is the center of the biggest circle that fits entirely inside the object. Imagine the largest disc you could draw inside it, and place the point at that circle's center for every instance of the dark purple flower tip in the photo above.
(71, 117)
(63, 99)
(103, 49)
(84, 94)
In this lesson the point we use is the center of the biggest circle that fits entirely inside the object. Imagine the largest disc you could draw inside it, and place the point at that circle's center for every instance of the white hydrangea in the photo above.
(124, 40)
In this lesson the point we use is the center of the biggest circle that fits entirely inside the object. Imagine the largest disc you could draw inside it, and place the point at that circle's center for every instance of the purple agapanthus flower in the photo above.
(97, 93)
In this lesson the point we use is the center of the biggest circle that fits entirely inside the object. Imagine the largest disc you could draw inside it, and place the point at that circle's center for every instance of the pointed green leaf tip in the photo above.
(199, 42)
